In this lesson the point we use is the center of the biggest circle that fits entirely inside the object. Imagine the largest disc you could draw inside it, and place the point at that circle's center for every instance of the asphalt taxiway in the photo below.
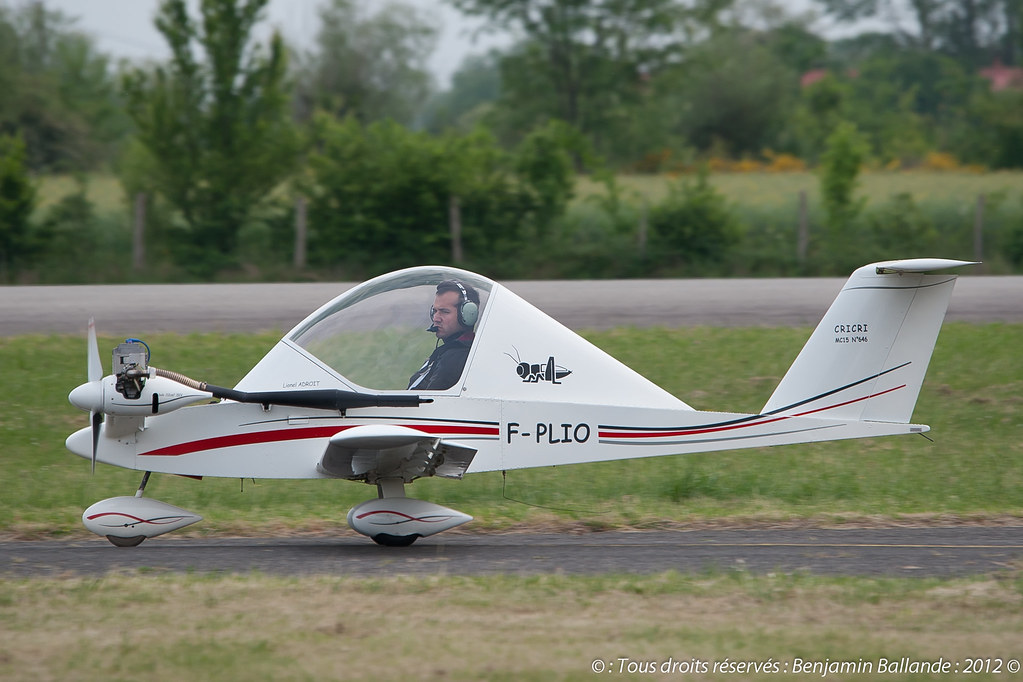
(135, 309)
(893, 552)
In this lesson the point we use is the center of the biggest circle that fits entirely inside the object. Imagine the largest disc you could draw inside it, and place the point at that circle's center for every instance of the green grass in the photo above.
(763, 190)
(781, 190)
(193, 628)
(974, 467)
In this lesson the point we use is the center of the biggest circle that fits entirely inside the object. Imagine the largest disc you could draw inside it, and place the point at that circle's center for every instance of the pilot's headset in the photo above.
(468, 310)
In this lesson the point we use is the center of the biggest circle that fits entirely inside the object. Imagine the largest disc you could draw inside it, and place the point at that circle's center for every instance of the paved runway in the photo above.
(905, 552)
(146, 308)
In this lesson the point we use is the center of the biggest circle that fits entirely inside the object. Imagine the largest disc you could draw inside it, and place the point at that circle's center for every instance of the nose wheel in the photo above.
(126, 521)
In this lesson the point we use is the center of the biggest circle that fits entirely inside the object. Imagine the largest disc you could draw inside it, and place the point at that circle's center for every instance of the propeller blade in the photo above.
(95, 364)
(97, 419)
(95, 369)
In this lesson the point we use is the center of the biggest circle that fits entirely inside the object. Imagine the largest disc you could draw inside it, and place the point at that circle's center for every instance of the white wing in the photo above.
(374, 452)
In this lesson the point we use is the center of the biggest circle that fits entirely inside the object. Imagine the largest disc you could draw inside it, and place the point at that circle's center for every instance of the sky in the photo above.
(124, 28)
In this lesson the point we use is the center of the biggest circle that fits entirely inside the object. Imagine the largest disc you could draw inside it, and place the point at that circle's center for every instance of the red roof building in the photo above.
(1003, 77)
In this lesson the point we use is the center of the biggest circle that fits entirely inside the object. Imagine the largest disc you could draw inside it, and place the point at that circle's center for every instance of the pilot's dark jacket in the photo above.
(442, 369)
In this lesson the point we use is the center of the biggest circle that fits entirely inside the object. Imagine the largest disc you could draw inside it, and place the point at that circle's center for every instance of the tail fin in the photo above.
(867, 358)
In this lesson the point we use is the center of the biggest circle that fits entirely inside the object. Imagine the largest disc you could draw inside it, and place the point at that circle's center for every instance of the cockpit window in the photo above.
(376, 335)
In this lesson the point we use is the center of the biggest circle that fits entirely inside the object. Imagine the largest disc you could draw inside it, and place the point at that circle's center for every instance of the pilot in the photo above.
(453, 315)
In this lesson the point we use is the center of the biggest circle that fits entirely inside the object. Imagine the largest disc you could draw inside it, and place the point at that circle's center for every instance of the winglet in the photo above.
(919, 265)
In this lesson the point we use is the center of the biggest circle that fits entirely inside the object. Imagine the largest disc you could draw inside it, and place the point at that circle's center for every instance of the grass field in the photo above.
(972, 399)
(763, 189)
(199, 628)
(781, 190)
(145, 625)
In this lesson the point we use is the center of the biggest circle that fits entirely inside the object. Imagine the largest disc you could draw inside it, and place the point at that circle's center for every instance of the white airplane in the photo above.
(331, 399)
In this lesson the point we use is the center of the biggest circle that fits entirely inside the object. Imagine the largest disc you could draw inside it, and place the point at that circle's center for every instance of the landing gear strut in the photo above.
(135, 540)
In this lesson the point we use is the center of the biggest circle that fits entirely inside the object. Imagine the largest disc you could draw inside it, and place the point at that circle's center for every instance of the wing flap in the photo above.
(374, 452)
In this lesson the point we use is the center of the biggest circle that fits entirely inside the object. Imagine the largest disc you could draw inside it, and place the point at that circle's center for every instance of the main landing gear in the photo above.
(393, 520)
(135, 540)
(128, 520)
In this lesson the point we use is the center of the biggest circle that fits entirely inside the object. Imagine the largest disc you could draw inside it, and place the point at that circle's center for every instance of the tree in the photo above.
(475, 86)
(17, 201)
(905, 103)
(694, 225)
(731, 95)
(992, 133)
(796, 47)
(584, 62)
(380, 194)
(218, 131)
(368, 67)
(58, 91)
(839, 173)
(973, 31)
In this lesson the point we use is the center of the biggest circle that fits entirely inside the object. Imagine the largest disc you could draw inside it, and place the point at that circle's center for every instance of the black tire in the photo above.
(394, 540)
(126, 542)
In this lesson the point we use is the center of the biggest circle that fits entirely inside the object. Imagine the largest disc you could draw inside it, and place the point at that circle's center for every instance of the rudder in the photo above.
(867, 358)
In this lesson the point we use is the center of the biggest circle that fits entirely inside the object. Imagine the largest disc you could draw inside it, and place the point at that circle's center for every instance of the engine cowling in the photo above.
(158, 396)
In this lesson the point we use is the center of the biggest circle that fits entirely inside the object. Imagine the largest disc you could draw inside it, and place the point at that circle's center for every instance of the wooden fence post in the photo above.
(138, 233)
(644, 228)
(301, 232)
(803, 238)
(455, 223)
(978, 229)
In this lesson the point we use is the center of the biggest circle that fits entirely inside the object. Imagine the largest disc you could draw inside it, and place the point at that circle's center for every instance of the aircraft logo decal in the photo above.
(135, 520)
(534, 373)
(403, 517)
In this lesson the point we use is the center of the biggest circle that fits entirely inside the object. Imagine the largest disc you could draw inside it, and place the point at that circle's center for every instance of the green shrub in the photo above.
(693, 228)
(380, 196)
(840, 166)
(900, 229)
(1013, 243)
(17, 201)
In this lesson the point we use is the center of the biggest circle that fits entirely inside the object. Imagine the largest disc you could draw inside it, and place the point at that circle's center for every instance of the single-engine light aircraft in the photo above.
(346, 394)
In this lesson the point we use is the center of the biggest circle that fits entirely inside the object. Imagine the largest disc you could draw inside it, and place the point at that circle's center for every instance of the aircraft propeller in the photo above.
(95, 374)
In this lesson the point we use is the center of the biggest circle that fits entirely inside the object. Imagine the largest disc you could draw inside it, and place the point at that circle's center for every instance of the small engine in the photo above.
(130, 366)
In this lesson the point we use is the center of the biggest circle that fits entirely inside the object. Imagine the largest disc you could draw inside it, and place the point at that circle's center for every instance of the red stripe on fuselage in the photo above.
(279, 435)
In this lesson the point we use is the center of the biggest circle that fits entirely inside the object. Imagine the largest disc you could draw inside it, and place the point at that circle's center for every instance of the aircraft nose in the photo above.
(88, 397)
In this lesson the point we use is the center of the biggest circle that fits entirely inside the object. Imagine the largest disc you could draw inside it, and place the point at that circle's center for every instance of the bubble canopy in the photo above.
(375, 335)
